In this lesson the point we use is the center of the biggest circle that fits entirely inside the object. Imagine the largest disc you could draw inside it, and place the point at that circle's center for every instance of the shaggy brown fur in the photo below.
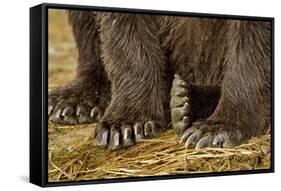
(234, 55)
(222, 89)
(84, 98)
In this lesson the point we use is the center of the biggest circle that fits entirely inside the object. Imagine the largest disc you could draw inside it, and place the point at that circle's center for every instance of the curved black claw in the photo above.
(180, 105)
(114, 137)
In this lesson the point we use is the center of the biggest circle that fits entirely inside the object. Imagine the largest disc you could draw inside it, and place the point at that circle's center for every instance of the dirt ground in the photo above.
(72, 155)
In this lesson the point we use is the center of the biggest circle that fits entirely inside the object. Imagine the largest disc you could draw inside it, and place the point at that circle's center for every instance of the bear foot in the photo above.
(210, 134)
(196, 130)
(73, 105)
(114, 137)
(180, 105)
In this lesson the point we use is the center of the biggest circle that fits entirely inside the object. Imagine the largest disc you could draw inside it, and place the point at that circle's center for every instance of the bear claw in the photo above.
(125, 135)
(207, 135)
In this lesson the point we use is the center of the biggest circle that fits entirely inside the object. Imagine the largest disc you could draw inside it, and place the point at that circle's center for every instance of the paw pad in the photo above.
(180, 105)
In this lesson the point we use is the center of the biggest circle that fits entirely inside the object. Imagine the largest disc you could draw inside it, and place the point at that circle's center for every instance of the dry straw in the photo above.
(72, 156)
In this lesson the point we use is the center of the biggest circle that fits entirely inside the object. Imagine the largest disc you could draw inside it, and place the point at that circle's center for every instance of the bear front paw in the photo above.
(210, 134)
(114, 137)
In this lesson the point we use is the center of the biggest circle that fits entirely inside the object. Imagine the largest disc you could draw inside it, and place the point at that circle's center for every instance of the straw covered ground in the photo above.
(72, 155)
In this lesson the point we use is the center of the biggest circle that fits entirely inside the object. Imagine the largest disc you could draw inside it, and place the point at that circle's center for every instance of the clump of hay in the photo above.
(72, 156)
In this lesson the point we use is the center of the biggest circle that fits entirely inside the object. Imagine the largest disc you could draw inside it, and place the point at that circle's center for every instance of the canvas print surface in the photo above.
(137, 95)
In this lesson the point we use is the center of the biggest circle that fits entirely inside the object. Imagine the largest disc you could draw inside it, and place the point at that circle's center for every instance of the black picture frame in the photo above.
(39, 94)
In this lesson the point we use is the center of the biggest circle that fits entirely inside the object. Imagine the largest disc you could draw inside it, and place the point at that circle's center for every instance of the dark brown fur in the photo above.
(91, 87)
(226, 64)
(234, 55)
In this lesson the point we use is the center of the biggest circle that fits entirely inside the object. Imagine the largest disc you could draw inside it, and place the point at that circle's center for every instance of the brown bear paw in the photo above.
(114, 137)
(210, 134)
(180, 105)
(71, 106)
